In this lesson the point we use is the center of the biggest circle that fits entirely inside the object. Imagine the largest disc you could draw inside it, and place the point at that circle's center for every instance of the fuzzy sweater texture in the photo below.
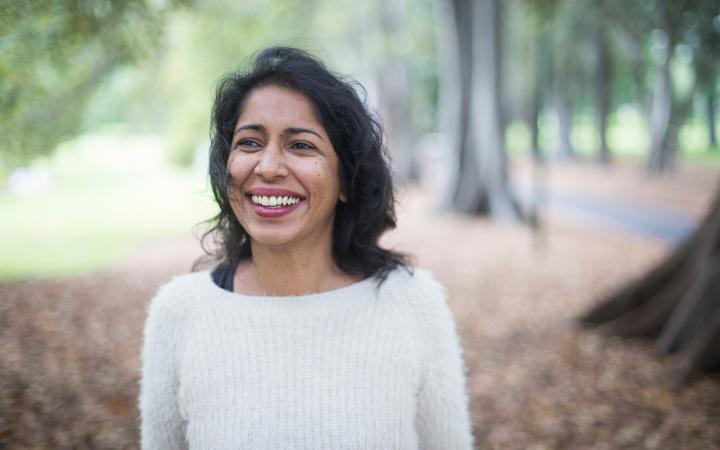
(359, 367)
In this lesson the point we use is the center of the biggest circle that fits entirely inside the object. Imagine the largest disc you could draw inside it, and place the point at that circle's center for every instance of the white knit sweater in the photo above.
(352, 368)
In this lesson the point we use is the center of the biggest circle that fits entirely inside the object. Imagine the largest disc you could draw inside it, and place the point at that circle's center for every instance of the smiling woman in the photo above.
(286, 180)
(306, 334)
(297, 119)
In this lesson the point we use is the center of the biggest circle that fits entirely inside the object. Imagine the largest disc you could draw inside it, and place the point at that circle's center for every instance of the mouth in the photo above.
(272, 203)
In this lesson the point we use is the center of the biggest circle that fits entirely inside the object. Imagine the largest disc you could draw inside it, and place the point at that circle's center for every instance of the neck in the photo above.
(279, 271)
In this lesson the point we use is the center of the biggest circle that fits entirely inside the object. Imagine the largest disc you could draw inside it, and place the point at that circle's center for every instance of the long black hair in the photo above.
(357, 137)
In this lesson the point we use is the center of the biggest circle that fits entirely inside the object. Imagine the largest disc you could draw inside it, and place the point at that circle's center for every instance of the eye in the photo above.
(248, 143)
(302, 146)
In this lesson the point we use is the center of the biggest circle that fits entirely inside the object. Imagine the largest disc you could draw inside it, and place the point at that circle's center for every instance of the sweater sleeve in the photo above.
(443, 417)
(162, 426)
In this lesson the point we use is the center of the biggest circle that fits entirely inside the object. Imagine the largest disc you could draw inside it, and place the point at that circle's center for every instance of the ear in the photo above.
(342, 197)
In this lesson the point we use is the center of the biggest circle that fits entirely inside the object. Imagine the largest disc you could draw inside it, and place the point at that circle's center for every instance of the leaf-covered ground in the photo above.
(69, 348)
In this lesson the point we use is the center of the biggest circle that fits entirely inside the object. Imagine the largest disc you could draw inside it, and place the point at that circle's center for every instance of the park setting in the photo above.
(556, 166)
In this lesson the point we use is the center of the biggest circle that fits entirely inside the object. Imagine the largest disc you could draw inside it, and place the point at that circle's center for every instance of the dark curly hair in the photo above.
(357, 137)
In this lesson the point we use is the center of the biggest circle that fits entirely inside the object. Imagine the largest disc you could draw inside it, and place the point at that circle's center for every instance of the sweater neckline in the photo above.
(359, 289)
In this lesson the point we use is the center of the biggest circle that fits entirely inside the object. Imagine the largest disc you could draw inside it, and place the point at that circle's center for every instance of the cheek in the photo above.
(326, 179)
(238, 170)
(235, 197)
(235, 165)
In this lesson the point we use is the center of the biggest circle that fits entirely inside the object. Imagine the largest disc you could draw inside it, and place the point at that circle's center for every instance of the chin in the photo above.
(271, 239)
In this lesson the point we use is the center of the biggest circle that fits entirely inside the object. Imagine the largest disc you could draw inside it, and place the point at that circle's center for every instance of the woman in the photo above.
(308, 334)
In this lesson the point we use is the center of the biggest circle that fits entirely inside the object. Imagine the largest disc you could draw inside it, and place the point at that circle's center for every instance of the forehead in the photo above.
(279, 105)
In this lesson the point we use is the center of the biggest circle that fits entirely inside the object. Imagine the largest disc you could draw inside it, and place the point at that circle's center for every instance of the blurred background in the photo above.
(548, 153)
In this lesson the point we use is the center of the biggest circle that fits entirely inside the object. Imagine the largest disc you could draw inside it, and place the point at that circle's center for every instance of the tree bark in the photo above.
(395, 94)
(481, 185)
(665, 117)
(660, 117)
(602, 92)
(564, 113)
(542, 66)
(711, 101)
(394, 88)
(533, 119)
(677, 303)
(453, 42)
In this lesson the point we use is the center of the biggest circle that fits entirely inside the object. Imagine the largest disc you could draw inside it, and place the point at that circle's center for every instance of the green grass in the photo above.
(627, 135)
(108, 193)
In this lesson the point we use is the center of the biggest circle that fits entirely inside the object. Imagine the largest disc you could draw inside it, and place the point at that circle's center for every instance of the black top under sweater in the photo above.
(223, 275)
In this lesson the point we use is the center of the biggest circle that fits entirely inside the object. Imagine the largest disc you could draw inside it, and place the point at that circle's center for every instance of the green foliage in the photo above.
(53, 55)
(69, 65)
(159, 77)
(702, 36)
(175, 91)
(640, 35)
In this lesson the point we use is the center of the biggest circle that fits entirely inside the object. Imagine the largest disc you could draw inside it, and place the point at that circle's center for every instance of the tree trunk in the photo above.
(453, 28)
(481, 183)
(394, 88)
(660, 118)
(711, 99)
(394, 99)
(541, 65)
(677, 303)
(533, 120)
(564, 114)
(662, 150)
(602, 92)
(679, 113)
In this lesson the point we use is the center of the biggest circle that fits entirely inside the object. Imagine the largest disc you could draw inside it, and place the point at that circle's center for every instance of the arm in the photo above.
(443, 417)
(162, 426)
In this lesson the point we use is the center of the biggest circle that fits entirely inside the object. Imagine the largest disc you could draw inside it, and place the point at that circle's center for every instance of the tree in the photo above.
(570, 50)
(677, 303)
(539, 16)
(542, 71)
(711, 99)
(470, 95)
(706, 37)
(664, 113)
(55, 54)
(573, 53)
(698, 32)
(659, 39)
(394, 87)
(602, 79)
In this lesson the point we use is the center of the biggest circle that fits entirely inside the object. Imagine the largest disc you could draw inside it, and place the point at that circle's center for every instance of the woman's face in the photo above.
(285, 172)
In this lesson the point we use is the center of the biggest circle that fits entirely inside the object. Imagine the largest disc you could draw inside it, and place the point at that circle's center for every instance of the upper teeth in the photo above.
(274, 201)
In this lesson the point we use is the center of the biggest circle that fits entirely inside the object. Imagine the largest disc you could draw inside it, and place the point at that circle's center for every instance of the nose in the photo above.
(271, 164)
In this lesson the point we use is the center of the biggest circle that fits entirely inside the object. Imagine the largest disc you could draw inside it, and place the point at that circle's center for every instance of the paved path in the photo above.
(668, 225)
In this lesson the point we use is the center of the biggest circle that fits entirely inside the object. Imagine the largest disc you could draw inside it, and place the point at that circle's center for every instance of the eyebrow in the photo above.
(304, 130)
(291, 130)
(250, 126)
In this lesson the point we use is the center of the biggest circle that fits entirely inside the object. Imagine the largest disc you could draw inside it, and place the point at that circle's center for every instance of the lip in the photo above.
(278, 211)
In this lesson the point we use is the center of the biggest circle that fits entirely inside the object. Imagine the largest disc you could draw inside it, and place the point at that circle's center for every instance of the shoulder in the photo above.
(164, 332)
(419, 290)
(416, 283)
(184, 282)
(425, 301)
(173, 299)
